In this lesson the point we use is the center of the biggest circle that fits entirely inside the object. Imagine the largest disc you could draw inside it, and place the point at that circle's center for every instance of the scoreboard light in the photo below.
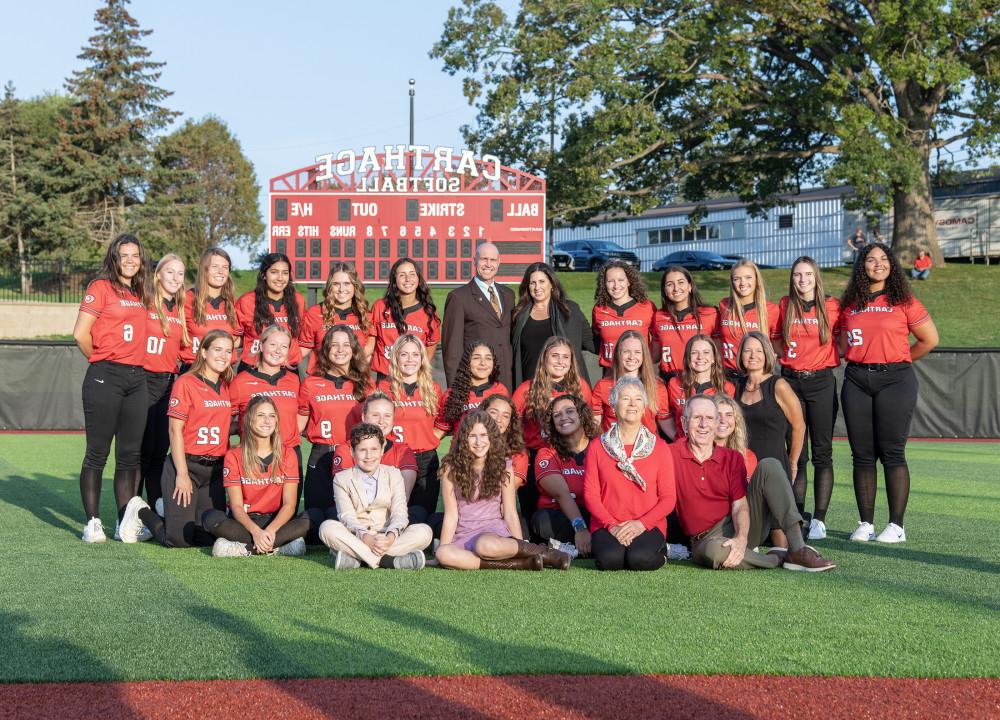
(430, 205)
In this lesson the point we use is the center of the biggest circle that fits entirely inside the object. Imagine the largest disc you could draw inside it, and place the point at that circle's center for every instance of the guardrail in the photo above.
(56, 281)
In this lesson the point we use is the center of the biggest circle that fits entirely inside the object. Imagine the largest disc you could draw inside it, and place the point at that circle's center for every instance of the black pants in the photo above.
(645, 552)
(156, 438)
(181, 526)
(549, 523)
(528, 494)
(318, 482)
(878, 407)
(427, 487)
(818, 394)
(222, 525)
(114, 408)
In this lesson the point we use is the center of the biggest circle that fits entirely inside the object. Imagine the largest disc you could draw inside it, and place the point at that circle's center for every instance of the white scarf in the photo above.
(645, 441)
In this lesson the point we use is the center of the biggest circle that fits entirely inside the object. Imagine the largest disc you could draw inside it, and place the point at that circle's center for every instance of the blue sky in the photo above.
(292, 80)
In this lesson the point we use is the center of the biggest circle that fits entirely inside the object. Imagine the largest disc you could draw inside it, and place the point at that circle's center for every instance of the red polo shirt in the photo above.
(706, 491)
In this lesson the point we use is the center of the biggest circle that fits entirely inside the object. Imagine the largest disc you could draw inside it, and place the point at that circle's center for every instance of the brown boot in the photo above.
(551, 558)
(533, 562)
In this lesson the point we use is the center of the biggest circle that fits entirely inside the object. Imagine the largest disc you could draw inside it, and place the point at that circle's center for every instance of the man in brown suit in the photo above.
(479, 310)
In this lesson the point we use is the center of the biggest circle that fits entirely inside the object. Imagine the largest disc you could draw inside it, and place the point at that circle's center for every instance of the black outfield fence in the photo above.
(959, 390)
(46, 281)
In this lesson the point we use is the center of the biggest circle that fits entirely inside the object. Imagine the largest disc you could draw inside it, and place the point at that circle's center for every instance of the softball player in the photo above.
(747, 308)
(273, 302)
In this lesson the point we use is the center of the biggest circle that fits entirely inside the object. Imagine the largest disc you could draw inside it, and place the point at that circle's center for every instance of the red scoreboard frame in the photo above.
(434, 207)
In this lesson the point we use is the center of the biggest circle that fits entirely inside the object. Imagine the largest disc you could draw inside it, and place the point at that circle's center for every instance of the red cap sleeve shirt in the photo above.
(477, 396)
(163, 350)
(206, 411)
(608, 322)
(674, 334)
(315, 328)
(677, 399)
(519, 466)
(282, 388)
(413, 424)
(245, 307)
(397, 455)
(418, 322)
(119, 333)
(729, 331)
(534, 437)
(260, 494)
(328, 401)
(880, 333)
(215, 319)
(706, 491)
(803, 349)
(612, 498)
(549, 462)
(600, 403)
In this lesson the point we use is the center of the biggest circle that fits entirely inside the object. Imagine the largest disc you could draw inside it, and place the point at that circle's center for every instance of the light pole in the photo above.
(409, 153)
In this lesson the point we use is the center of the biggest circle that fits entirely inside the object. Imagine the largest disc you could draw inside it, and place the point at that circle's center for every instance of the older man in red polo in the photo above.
(724, 514)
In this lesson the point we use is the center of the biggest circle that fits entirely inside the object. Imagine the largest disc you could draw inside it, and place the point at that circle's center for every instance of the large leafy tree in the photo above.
(108, 135)
(654, 98)
(203, 193)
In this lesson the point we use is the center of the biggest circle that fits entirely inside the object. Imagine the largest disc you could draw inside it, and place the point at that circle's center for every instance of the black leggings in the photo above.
(818, 396)
(318, 481)
(181, 526)
(156, 439)
(645, 552)
(549, 523)
(222, 525)
(528, 494)
(427, 487)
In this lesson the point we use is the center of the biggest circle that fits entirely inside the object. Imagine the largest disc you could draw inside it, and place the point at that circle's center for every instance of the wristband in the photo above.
(579, 524)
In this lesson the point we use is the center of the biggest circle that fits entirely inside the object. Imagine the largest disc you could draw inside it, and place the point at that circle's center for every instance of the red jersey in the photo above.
(251, 338)
(206, 411)
(729, 332)
(549, 462)
(282, 388)
(477, 396)
(418, 322)
(676, 399)
(314, 329)
(609, 322)
(119, 333)
(260, 494)
(600, 403)
(802, 350)
(922, 263)
(328, 401)
(706, 490)
(534, 438)
(414, 425)
(163, 351)
(673, 335)
(215, 319)
(519, 466)
(397, 455)
(881, 332)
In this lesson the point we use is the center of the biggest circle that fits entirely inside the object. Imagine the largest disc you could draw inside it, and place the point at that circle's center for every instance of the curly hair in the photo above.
(200, 289)
(796, 305)
(263, 315)
(454, 406)
(111, 269)
(425, 380)
(359, 304)
(734, 311)
(458, 463)
(857, 292)
(363, 431)
(647, 372)
(695, 301)
(514, 436)
(393, 302)
(357, 367)
(688, 375)
(588, 424)
(636, 286)
(524, 300)
(540, 391)
(248, 450)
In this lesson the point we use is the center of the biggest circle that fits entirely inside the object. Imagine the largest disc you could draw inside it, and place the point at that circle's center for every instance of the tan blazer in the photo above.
(386, 513)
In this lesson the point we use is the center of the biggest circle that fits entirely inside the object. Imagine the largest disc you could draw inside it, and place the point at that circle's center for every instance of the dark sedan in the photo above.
(693, 260)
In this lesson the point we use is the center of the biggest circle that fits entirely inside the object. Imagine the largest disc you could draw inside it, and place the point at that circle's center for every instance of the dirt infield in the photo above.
(517, 696)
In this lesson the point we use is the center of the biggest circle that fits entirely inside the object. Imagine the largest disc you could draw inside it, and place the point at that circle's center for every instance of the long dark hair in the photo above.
(424, 298)
(111, 269)
(694, 296)
(458, 392)
(524, 301)
(897, 287)
(262, 313)
(357, 369)
(459, 460)
(636, 286)
(588, 424)
(359, 304)
(514, 436)
(718, 375)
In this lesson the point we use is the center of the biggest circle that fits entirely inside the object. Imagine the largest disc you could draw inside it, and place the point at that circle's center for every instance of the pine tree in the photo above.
(13, 136)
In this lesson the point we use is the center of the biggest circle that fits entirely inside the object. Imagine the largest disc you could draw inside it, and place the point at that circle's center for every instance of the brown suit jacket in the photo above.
(468, 316)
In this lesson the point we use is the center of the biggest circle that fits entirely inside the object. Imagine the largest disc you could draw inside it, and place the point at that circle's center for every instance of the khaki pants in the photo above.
(772, 505)
(337, 537)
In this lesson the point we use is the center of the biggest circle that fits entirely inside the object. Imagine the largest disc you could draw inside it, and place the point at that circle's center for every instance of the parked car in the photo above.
(733, 259)
(591, 254)
(561, 260)
(693, 260)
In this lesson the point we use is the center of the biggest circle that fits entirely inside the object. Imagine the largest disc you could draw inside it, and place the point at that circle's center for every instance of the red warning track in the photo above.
(517, 697)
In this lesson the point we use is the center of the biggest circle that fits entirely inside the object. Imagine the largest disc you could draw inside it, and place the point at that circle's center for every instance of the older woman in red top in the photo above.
(628, 487)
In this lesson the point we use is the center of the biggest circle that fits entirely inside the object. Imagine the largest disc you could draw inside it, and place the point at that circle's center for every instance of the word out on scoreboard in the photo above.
(433, 205)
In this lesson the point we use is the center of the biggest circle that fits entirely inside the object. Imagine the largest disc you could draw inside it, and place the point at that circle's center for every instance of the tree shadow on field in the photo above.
(37, 497)
(897, 552)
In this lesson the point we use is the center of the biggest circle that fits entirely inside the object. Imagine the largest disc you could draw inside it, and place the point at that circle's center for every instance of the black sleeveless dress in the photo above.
(767, 426)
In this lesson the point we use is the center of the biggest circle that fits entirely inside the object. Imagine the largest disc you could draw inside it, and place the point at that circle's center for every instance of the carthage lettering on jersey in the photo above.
(620, 323)
(216, 317)
(273, 393)
(124, 302)
(873, 308)
(409, 403)
(216, 403)
(666, 327)
(805, 321)
(334, 398)
(277, 480)
(409, 328)
(752, 324)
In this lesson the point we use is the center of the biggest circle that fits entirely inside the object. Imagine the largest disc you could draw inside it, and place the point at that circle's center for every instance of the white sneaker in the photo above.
(676, 551)
(158, 507)
(817, 530)
(144, 534)
(229, 548)
(343, 561)
(864, 533)
(295, 548)
(93, 531)
(893, 533)
(117, 535)
(131, 525)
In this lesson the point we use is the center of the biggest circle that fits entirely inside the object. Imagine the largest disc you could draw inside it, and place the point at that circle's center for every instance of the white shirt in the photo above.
(481, 284)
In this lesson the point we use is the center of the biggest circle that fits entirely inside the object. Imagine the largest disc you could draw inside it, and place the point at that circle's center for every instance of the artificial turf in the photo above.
(74, 612)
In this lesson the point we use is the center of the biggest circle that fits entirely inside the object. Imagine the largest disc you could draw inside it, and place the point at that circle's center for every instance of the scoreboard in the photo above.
(431, 205)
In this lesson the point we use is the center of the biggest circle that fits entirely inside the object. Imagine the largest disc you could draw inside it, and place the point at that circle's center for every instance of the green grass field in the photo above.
(73, 612)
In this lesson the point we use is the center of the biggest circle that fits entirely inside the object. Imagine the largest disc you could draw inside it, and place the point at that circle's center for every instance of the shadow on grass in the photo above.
(37, 497)
(899, 552)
